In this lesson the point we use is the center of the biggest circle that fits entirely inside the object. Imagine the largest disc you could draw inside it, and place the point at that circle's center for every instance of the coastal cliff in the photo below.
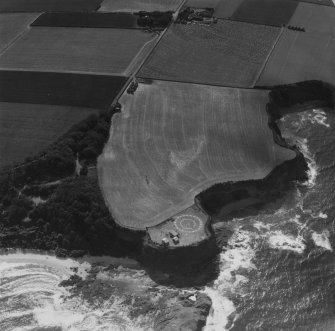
(39, 195)
(28, 222)
(223, 199)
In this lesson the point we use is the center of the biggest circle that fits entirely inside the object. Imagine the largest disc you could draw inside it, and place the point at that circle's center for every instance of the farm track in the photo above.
(174, 140)
(268, 57)
(13, 26)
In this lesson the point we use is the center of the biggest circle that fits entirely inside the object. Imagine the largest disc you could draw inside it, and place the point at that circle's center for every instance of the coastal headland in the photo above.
(48, 196)
(178, 127)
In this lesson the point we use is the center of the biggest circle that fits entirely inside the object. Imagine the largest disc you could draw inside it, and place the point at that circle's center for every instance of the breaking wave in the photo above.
(233, 262)
(317, 116)
(31, 299)
(313, 169)
(322, 240)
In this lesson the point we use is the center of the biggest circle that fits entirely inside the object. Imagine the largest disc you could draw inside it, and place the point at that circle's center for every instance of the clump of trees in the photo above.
(154, 19)
(313, 90)
(73, 219)
(84, 140)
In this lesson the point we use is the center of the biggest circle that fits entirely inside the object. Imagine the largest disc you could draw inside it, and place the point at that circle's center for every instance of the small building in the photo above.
(117, 107)
(165, 242)
(175, 240)
(173, 233)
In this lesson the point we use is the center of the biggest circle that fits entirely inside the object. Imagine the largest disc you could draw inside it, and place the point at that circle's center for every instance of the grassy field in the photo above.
(25, 129)
(227, 53)
(104, 51)
(138, 5)
(12, 25)
(314, 18)
(268, 12)
(88, 20)
(91, 91)
(48, 5)
(226, 8)
(173, 140)
(300, 56)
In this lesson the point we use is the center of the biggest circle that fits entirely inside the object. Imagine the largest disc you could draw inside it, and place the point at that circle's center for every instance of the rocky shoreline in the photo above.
(162, 308)
(22, 226)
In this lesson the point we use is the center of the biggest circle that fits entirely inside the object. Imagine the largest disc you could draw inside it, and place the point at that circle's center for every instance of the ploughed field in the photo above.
(88, 20)
(227, 53)
(26, 129)
(48, 5)
(139, 5)
(12, 25)
(80, 90)
(87, 50)
(173, 140)
(300, 56)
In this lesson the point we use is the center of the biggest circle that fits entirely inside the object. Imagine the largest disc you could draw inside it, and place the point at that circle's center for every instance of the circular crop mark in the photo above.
(188, 223)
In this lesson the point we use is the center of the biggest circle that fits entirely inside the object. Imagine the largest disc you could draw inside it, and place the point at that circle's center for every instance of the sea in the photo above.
(277, 272)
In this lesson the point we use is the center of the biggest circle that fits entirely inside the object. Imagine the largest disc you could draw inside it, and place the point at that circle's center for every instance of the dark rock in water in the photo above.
(73, 280)
(168, 308)
(188, 315)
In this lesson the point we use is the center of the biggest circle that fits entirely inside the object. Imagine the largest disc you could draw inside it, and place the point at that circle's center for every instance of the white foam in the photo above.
(221, 309)
(313, 169)
(280, 240)
(61, 265)
(322, 240)
(38, 200)
(322, 215)
(261, 226)
(316, 116)
(319, 117)
(35, 278)
(49, 316)
(238, 256)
